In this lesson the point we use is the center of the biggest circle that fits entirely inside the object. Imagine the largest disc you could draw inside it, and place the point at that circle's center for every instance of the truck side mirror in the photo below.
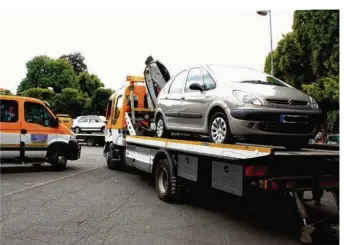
(55, 122)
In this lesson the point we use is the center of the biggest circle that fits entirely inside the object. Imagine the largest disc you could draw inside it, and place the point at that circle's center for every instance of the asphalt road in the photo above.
(90, 204)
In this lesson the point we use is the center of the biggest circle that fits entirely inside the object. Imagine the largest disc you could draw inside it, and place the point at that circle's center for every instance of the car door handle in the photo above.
(182, 98)
(23, 131)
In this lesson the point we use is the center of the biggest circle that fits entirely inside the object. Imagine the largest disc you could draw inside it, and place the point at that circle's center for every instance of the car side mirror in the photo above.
(196, 86)
(55, 122)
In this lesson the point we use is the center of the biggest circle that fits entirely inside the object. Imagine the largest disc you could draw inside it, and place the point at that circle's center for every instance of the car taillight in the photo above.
(256, 171)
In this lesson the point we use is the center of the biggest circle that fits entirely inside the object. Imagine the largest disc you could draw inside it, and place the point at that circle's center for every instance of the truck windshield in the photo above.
(243, 75)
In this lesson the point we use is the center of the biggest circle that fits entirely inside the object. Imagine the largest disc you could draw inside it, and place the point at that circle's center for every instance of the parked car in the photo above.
(89, 123)
(229, 103)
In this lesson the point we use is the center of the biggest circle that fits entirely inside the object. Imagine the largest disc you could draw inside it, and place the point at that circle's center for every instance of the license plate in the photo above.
(293, 119)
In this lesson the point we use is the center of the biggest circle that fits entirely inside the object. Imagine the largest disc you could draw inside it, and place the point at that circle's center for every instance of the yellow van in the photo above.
(65, 119)
(30, 133)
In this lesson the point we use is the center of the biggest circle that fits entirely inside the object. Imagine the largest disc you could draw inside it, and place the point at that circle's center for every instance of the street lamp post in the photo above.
(264, 13)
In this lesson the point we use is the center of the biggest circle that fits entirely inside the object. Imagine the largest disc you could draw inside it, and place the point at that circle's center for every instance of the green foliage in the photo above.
(44, 72)
(308, 57)
(69, 101)
(6, 92)
(77, 61)
(39, 93)
(99, 100)
(70, 94)
(88, 83)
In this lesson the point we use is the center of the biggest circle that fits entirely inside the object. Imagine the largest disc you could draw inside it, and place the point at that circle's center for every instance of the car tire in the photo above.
(77, 130)
(163, 181)
(218, 129)
(161, 131)
(58, 161)
(102, 130)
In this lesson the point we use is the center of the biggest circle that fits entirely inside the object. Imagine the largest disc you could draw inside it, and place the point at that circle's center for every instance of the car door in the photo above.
(95, 123)
(37, 130)
(83, 123)
(9, 129)
(170, 102)
(194, 102)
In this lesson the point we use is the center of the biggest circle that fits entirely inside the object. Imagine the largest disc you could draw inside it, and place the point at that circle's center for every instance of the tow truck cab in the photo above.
(30, 133)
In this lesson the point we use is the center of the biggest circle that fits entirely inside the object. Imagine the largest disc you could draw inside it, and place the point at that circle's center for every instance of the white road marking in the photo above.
(50, 182)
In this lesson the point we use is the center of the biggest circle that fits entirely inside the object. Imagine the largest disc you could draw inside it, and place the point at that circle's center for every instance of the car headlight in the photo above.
(246, 98)
(314, 104)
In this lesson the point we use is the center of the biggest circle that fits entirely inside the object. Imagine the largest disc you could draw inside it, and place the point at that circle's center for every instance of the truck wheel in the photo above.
(161, 130)
(58, 161)
(111, 163)
(219, 131)
(90, 142)
(163, 181)
(77, 130)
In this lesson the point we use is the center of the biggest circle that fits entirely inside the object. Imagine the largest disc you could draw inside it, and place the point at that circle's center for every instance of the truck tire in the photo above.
(111, 163)
(58, 161)
(90, 142)
(163, 181)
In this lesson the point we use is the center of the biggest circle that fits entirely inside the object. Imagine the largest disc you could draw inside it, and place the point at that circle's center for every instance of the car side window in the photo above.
(178, 83)
(94, 119)
(83, 119)
(208, 81)
(38, 114)
(9, 111)
(193, 77)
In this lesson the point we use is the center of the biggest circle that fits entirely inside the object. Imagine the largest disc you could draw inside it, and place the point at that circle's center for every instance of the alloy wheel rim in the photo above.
(218, 130)
(160, 128)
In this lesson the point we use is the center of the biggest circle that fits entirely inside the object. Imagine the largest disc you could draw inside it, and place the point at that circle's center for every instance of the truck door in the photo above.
(9, 129)
(37, 130)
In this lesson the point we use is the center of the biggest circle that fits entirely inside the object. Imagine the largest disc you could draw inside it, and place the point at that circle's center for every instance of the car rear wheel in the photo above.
(161, 130)
(219, 131)
(77, 130)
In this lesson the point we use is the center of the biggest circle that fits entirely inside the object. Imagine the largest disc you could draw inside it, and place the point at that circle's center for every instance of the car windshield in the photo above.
(243, 75)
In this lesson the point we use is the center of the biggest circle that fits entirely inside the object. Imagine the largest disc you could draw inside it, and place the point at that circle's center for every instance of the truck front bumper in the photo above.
(74, 150)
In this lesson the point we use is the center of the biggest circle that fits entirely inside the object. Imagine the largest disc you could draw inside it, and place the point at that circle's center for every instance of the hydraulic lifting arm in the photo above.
(156, 76)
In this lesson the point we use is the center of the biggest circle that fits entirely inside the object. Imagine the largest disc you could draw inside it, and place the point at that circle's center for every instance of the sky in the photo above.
(116, 42)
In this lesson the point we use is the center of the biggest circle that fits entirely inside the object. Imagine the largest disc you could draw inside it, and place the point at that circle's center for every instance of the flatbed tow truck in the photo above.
(91, 139)
(242, 170)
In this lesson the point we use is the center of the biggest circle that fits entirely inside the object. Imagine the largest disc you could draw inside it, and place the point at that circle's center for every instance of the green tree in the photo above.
(77, 61)
(39, 93)
(308, 57)
(88, 83)
(44, 72)
(69, 101)
(99, 100)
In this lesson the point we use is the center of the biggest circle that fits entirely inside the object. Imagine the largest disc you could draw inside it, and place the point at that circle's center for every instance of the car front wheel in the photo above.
(219, 131)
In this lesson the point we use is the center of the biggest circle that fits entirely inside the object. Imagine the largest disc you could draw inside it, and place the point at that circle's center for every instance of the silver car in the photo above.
(230, 103)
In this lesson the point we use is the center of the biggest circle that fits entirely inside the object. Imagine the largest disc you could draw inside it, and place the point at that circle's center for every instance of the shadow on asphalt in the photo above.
(30, 169)
(274, 215)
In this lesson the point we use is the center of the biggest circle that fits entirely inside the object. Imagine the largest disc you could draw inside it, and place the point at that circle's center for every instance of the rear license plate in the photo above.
(293, 119)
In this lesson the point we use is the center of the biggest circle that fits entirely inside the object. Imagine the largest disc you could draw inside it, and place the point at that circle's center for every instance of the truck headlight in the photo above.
(73, 138)
(314, 104)
(246, 98)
